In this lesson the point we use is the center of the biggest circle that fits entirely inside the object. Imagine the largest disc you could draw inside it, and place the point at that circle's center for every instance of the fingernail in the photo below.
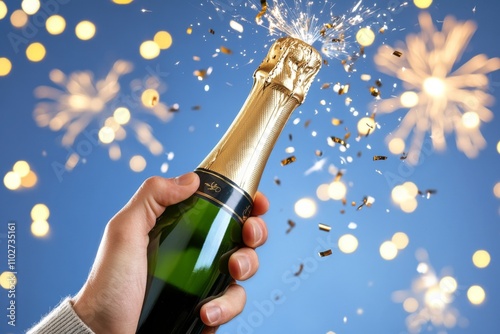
(213, 314)
(257, 233)
(244, 265)
(185, 179)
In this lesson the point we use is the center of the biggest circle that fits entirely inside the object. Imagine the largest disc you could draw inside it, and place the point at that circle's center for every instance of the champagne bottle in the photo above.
(192, 241)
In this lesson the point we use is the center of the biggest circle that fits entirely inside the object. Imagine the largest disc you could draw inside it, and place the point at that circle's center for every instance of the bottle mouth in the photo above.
(290, 63)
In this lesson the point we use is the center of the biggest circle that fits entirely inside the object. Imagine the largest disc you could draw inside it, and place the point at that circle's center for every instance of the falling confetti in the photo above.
(444, 94)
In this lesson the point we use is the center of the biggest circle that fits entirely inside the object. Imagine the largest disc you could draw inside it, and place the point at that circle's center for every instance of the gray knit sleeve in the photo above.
(62, 319)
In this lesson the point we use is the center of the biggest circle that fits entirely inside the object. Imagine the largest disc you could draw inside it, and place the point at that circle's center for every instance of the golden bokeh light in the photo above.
(366, 126)
(30, 7)
(22, 168)
(106, 135)
(422, 4)
(409, 205)
(322, 192)
(476, 295)
(40, 228)
(18, 18)
(409, 99)
(29, 180)
(163, 39)
(388, 250)
(85, 30)
(348, 243)
(122, 2)
(36, 52)
(137, 163)
(8, 280)
(481, 258)
(3, 10)
(435, 299)
(400, 194)
(396, 145)
(115, 152)
(337, 190)
(433, 86)
(448, 284)
(411, 188)
(410, 305)
(401, 240)
(149, 50)
(150, 97)
(496, 190)
(12, 180)
(5, 66)
(498, 147)
(305, 208)
(365, 36)
(470, 120)
(55, 24)
(121, 115)
(40, 212)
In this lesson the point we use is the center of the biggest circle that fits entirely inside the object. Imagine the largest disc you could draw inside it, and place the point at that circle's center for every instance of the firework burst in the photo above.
(440, 99)
(80, 101)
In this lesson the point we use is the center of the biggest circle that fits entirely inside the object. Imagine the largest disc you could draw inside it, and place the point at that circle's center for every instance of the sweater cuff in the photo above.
(62, 319)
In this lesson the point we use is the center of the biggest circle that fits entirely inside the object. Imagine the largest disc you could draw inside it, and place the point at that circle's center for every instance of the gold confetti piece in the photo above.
(196, 108)
(347, 135)
(344, 201)
(427, 193)
(374, 91)
(379, 157)
(290, 137)
(344, 89)
(324, 227)
(342, 212)
(336, 121)
(225, 50)
(288, 160)
(306, 123)
(353, 203)
(403, 156)
(301, 267)
(189, 31)
(325, 253)
(338, 176)
(174, 108)
(397, 53)
(201, 74)
(318, 153)
(326, 85)
(258, 18)
(212, 31)
(292, 224)
(277, 181)
(338, 140)
(378, 83)
(325, 62)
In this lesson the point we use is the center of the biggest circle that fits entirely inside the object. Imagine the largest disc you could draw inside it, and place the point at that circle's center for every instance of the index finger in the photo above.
(260, 204)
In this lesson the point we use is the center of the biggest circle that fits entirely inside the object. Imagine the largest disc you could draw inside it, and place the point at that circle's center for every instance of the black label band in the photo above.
(225, 194)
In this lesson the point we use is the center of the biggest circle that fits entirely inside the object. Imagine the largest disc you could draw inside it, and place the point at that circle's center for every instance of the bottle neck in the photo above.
(242, 153)
(280, 85)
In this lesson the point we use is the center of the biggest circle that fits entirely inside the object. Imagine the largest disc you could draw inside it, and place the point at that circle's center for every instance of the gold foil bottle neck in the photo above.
(281, 83)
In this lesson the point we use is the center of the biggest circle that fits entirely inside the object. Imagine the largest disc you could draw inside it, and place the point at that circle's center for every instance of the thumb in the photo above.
(151, 199)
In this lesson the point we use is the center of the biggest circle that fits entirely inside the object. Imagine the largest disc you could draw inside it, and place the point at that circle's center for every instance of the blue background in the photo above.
(330, 292)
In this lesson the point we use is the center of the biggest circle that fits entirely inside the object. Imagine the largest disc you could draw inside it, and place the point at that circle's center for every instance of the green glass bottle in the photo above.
(192, 241)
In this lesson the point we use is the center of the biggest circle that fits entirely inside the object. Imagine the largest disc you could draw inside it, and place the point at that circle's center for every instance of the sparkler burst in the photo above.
(314, 22)
(429, 302)
(441, 99)
(79, 101)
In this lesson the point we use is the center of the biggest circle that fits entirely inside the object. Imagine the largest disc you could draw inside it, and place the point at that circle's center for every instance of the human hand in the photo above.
(111, 299)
